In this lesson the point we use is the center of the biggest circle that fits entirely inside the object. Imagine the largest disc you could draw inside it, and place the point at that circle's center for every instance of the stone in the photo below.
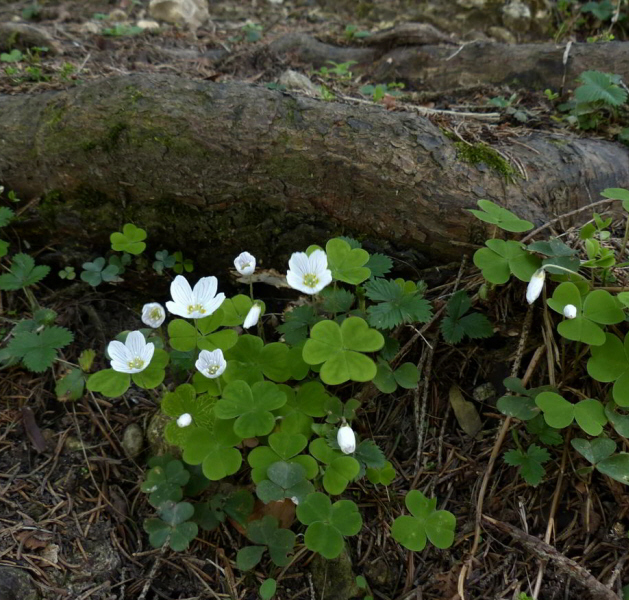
(117, 15)
(16, 584)
(181, 12)
(500, 34)
(133, 440)
(516, 16)
(334, 579)
(148, 24)
(293, 80)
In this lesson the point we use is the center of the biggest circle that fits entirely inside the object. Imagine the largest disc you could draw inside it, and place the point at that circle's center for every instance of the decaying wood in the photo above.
(204, 164)
(564, 564)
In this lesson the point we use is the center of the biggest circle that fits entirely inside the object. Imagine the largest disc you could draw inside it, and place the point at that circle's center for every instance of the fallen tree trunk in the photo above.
(444, 67)
(209, 166)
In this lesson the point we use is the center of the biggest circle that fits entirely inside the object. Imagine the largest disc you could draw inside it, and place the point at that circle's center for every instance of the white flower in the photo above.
(252, 316)
(346, 439)
(195, 303)
(153, 314)
(133, 356)
(211, 364)
(245, 263)
(535, 286)
(570, 311)
(295, 500)
(184, 420)
(308, 274)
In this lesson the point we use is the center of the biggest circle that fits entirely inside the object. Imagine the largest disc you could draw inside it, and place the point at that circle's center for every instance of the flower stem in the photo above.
(623, 246)
(251, 288)
(218, 384)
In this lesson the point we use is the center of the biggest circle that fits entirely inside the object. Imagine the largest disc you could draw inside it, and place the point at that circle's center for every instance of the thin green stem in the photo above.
(625, 239)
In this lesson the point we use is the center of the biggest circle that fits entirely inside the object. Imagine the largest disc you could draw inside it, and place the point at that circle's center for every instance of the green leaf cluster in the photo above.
(559, 413)
(500, 259)
(267, 535)
(397, 303)
(22, 273)
(173, 527)
(457, 324)
(130, 240)
(529, 463)
(37, 349)
(501, 217)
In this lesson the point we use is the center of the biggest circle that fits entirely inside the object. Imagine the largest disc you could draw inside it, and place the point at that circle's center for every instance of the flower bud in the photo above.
(153, 314)
(184, 420)
(295, 500)
(245, 263)
(570, 311)
(346, 439)
(536, 285)
(252, 316)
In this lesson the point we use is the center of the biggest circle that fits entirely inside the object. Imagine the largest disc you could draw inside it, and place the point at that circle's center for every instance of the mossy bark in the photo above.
(214, 168)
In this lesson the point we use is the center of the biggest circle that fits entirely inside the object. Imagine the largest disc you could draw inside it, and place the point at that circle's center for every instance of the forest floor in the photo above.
(71, 509)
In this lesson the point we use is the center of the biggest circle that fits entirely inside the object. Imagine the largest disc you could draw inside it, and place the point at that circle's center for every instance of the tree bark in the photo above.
(208, 166)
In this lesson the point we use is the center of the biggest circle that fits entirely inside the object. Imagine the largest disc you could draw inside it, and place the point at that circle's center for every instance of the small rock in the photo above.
(293, 80)
(16, 584)
(155, 436)
(516, 16)
(184, 12)
(148, 24)
(73, 444)
(484, 392)
(334, 579)
(501, 34)
(133, 440)
(117, 15)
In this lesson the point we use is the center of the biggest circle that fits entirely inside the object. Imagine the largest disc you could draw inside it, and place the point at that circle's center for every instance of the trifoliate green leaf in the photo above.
(130, 240)
(496, 215)
(6, 216)
(23, 273)
(39, 350)
(379, 264)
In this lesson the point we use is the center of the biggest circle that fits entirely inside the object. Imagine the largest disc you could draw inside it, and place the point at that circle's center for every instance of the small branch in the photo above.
(562, 563)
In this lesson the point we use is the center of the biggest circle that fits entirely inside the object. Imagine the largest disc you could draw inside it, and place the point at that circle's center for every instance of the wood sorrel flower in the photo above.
(184, 420)
(211, 364)
(245, 263)
(133, 356)
(346, 439)
(195, 303)
(153, 314)
(252, 316)
(535, 286)
(570, 311)
(308, 274)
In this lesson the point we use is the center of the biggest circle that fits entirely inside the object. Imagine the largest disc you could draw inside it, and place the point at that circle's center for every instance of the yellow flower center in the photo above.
(155, 314)
(213, 369)
(136, 363)
(311, 280)
(196, 308)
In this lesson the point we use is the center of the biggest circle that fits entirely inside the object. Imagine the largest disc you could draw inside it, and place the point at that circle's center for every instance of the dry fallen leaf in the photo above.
(465, 412)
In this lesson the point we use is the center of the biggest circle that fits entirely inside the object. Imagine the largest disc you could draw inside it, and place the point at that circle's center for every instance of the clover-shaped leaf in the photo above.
(184, 400)
(184, 336)
(426, 523)
(283, 446)
(599, 307)
(559, 413)
(328, 523)
(235, 310)
(267, 534)
(340, 468)
(337, 411)
(596, 450)
(340, 348)
(383, 476)
(254, 356)
(457, 324)
(502, 258)
(610, 362)
(496, 215)
(617, 194)
(521, 406)
(173, 526)
(560, 257)
(387, 380)
(130, 240)
(618, 418)
(346, 263)
(164, 483)
(109, 383)
(251, 406)
(616, 467)
(155, 373)
(285, 480)
(214, 450)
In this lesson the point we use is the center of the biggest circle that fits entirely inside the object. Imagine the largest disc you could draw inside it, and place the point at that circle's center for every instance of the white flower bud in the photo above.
(536, 285)
(295, 500)
(252, 316)
(346, 439)
(570, 311)
(245, 263)
(184, 420)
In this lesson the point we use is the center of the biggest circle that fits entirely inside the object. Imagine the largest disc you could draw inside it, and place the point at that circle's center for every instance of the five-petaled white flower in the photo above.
(245, 263)
(184, 420)
(570, 311)
(211, 364)
(252, 316)
(308, 274)
(195, 303)
(346, 439)
(153, 314)
(535, 286)
(133, 356)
